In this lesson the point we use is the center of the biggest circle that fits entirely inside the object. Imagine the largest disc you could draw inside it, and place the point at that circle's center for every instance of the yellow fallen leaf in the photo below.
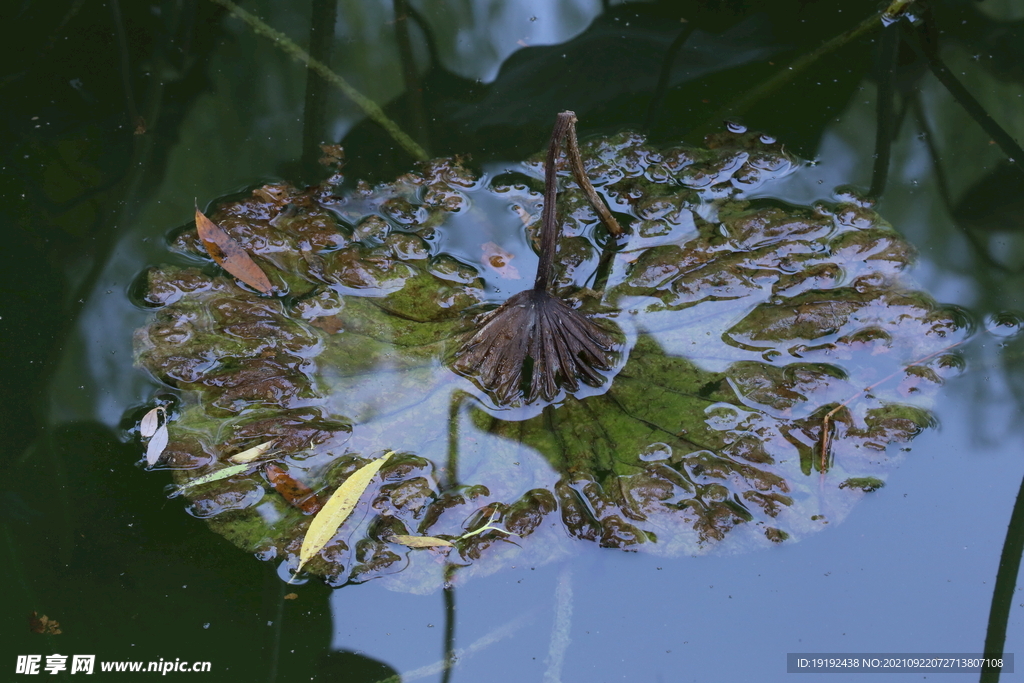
(230, 255)
(420, 541)
(251, 454)
(291, 596)
(337, 509)
(217, 475)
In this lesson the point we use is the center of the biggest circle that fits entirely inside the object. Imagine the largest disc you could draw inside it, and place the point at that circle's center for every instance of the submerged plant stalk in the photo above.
(369, 107)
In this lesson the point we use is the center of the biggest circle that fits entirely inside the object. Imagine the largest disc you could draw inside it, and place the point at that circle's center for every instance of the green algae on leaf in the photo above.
(744, 322)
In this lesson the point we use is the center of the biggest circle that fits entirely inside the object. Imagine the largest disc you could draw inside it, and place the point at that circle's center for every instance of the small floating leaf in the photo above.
(291, 489)
(866, 484)
(420, 541)
(43, 624)
(498, 259)
(150, 423)
(336, 510)
(251, 454)
(214, 476)
(487, 527)
(230, 255)
(157, 444)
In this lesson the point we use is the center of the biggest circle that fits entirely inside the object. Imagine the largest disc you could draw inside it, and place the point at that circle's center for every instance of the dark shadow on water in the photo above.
(1006, 586)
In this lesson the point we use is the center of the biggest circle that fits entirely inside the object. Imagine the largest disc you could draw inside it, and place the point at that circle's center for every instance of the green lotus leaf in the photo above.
(767, 358)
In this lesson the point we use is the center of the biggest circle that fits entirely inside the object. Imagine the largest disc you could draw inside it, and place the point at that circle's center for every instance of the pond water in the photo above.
(106, 176)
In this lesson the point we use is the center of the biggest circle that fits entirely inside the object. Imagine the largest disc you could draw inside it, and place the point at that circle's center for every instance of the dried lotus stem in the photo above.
(572, 150)
(563, 344)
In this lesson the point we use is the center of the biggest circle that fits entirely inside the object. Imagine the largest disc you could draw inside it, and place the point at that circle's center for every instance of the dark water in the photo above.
(90, 539)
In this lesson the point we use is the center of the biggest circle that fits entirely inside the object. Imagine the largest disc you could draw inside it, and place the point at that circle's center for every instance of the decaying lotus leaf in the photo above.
(744, 322)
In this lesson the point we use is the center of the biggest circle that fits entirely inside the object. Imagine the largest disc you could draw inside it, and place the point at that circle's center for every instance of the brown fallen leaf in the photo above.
(230, 255)
(43, 624)
(330, 324)
(291, 596)
(334, 156)
(292, 490)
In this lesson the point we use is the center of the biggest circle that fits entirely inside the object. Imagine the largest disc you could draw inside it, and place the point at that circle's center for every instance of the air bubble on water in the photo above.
(655, 452)
(734, 127)
(1004, 324)
(285, 574)
(722, 416)
(949, 365)
(767, 139)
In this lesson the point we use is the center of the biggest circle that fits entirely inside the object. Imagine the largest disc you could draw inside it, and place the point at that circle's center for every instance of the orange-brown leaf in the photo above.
(230, 255)
(43, 624)
(498, 259)
(295, 492)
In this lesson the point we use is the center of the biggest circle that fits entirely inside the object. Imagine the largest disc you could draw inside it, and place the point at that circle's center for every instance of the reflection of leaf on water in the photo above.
(613, 58)
(747, 321)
